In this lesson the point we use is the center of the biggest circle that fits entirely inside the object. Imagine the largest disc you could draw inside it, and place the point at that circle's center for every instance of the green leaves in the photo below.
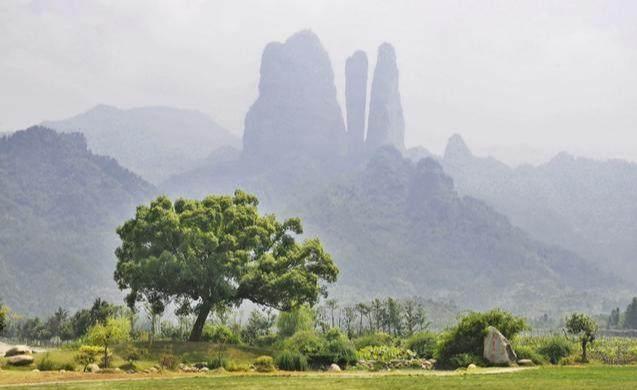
(219, 251)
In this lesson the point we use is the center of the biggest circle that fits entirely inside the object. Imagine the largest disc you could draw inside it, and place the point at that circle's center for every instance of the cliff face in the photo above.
(386, 125)
(356, 101)
(296, 111)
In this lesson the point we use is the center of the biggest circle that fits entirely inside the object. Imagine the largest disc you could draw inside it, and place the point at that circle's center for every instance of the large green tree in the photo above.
(216, 253)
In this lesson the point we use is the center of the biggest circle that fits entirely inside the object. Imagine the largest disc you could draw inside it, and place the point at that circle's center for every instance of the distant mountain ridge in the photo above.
(153, 142)
(588, 206)
(59, 206)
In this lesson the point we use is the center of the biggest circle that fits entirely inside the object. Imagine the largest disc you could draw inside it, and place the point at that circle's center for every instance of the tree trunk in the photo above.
(584, 357)
(202, 316)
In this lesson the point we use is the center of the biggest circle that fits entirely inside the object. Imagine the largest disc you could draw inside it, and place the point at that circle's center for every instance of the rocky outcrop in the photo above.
(20, 360)
(386, 124)
(457, 150)
(18, 350)
(296, 111)
(356, 100)
(497, 349)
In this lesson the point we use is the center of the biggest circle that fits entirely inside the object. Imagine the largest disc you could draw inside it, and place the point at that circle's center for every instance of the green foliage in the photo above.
(218, 252)
(423, 344)
(615, 350)
(340, 351)
(115, 330)
(217, 361)
(373, 340)
(46, 363)
(385, 353)
(584, 328)
(4, 313)
(221, 334)
(291, 361)
(306, 342)
(555, 349)
(467, 337)
(259, 325)
(264, 364)
(299, 319)
(88, 354)
(526, 352)
(464, 359)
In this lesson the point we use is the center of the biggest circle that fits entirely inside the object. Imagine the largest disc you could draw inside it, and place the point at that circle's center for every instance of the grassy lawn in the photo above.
(590, 377)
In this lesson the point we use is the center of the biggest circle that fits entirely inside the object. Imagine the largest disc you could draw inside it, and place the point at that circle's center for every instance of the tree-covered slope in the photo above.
(154, 142)
(59, 206)
(400, 228)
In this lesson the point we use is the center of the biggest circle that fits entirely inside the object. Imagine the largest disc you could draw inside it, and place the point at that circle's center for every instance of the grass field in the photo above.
(554, 378)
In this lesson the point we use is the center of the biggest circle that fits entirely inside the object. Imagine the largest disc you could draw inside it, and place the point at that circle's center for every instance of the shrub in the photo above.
(264, 364)
(556, 348)
(67, 366)
(467, 337)
(340, 351)
(266, 340)
(88, 354)
(464, 359)
(385, 353)
(217, 361)
(423, 344)
(373, 340)
(220, 334)
(297, 320)
(305, 342)
(291, 361)
(168, 361)
(46, 364)
(526, 352)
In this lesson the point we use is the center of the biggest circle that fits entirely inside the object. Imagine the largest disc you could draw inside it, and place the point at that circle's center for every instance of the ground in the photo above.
(554, 378)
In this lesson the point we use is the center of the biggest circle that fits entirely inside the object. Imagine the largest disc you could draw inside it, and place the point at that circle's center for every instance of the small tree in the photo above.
(584, 328)
(299, 319)
(115, 330)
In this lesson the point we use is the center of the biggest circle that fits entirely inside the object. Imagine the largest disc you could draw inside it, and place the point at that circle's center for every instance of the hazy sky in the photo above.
(516, 78)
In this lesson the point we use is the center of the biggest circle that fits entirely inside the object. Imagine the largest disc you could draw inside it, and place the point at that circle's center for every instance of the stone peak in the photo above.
(457, 148)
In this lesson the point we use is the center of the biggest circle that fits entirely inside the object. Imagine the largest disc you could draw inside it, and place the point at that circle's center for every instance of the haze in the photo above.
(519, 80)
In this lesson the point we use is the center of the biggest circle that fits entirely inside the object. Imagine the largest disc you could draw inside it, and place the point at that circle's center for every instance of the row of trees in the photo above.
(392, 316)
(625, 320)
(60, 326)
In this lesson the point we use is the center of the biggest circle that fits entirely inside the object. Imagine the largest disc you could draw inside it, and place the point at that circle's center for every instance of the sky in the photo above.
(519, 80)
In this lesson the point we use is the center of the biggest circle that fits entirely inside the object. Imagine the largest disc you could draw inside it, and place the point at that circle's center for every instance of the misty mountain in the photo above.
(585, 205)
(153, 142)
(395, 227)
(59, 206)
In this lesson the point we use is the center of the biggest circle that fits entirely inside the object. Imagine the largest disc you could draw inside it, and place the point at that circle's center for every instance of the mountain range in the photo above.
(399, 222)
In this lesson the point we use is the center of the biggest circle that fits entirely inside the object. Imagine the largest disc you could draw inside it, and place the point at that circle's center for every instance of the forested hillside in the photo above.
(59, 206)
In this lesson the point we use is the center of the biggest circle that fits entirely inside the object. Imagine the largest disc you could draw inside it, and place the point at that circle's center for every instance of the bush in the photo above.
(220, 334)
(266, 340)
(467, 337)
(385, 353)
(464, 359)
(297, 320)
(46, 364)
(264, 364)
(168, 361)
(373, 340)
(339, 351)
(291, 361)
(526, 352)
(234, 367)
(423, 344)
(306, 342)
(217, 361)
(88, 354)
(556, 348)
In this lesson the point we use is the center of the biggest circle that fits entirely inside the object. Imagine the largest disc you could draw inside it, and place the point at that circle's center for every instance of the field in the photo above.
(574, 377)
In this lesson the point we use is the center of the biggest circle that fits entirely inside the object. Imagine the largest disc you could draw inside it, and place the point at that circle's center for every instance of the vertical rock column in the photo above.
(386, 124)
(356, 101)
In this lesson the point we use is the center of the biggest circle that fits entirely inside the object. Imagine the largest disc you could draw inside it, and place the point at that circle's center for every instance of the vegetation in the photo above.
(423, 344)
(113, 331)
(216, 253)
(291, 361)
(584, 328)
(264, 364)
(465, 341)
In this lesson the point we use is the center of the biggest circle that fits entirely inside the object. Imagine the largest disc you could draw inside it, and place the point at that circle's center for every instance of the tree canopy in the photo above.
(216, 252)
(583, 327)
